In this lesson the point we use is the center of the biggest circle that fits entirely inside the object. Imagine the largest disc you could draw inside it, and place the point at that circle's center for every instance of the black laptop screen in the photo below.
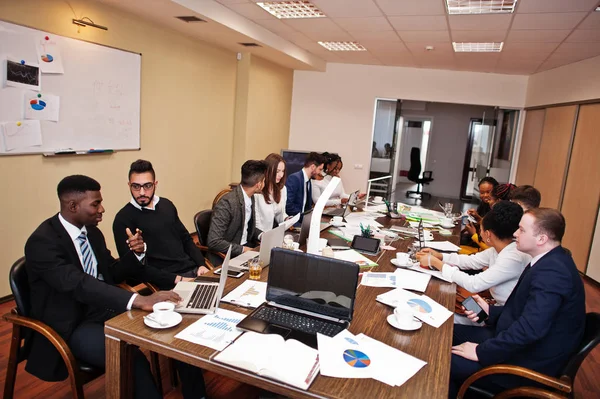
(314, 283)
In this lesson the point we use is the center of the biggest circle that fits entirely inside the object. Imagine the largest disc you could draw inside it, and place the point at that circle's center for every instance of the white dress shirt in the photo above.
(504, 270)
(155, 200)
(266, 214)
(536, 258)
(74, 232)
(247, 214)
(335, 199)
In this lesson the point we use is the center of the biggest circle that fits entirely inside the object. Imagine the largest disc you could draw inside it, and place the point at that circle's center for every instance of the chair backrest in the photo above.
(202, 223)
(19, 285)
(591, 338)
(220, 195)
(415, 164)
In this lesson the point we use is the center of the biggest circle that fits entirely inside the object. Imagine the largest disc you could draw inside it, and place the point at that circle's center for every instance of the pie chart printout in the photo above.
(356, 359)
(420, 305)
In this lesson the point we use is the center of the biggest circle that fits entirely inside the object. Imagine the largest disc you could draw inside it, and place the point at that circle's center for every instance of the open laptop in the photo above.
(305, 227)
(306, 294)
(202, 297)
(269, 240)
(344, 210)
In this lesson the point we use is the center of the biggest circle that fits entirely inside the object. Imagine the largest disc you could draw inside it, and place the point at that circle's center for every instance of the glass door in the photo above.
(384, 150)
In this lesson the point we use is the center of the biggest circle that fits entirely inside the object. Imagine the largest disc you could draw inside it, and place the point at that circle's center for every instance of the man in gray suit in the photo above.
(233, 219)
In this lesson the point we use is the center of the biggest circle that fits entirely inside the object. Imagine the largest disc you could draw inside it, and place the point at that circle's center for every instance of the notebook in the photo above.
(306, 294)
(202, 297)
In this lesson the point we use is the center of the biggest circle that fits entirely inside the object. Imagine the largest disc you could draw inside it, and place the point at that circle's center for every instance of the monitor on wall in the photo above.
(294, 160)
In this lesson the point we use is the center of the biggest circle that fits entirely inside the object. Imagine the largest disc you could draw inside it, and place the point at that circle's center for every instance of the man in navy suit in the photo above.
(299, 188)
(541, 324)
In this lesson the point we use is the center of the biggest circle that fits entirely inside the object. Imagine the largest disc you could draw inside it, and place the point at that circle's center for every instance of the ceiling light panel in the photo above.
(480, 6)
(291, 9)
(477, 47)
(343, 46)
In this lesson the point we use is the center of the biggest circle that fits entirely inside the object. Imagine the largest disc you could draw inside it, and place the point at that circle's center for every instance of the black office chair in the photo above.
(415, 171)
(559, 388)
(202, 223)
(79, 373)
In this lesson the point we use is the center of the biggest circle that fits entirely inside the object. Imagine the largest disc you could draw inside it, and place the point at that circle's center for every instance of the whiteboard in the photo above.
(97, 96)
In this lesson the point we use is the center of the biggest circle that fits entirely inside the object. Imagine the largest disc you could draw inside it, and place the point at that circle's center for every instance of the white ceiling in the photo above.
(540, 35)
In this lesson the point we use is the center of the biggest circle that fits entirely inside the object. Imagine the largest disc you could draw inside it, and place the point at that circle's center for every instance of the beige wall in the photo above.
(574, 82)
(262, 110)
(187, 120)
(334, 111)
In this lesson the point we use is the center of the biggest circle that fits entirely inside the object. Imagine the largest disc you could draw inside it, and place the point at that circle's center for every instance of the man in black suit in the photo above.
(72, 278)
(233, 219)
(541, 324)
(299, 187)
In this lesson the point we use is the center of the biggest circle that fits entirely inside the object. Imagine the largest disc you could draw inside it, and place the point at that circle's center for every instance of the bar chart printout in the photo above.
(215, 331)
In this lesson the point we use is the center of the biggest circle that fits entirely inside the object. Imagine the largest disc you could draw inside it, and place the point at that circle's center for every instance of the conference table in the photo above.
(429, 344)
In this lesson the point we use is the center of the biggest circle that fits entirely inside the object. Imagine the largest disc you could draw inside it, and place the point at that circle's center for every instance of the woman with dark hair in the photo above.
(270, 204)
(503, 261)
(486, 185)
(501, 192)
(332, 169)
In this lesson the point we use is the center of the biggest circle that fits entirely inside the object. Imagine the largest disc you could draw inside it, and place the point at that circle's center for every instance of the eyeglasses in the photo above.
(138, 187)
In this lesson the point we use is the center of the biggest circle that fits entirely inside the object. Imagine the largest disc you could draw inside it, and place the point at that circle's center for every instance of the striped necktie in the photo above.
(86, 255)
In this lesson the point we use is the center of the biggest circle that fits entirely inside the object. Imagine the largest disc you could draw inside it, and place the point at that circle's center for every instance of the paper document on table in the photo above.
(351, 255)
(290, 222)
(250, 294)
(374, 279)
(435, 273)
(356, 218)
(387, 370)
(215, 331)
(423, 307)
(410, 280)
(443, 246)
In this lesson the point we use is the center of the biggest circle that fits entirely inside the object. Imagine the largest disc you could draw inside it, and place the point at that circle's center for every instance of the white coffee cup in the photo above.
(402, 258)
(295, 246)
(378, 199)
(403, 315)
(328, 251)
(447, 221)
(337, 220)
(322, 243)
(162, 310)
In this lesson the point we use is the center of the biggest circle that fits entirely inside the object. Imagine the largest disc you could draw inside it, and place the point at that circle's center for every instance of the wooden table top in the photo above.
(428, 343)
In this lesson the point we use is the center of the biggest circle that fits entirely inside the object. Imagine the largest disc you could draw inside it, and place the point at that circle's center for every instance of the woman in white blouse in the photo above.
(503, 261)
(332, 169)
(270, 204)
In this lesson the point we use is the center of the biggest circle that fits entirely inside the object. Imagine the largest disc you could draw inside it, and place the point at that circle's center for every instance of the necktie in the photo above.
(308, 203)
(86, 255)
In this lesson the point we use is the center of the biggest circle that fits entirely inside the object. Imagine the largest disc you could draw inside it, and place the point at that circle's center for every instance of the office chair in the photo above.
(202, 223)
(415, 171)
(220, 195)
(559, 388)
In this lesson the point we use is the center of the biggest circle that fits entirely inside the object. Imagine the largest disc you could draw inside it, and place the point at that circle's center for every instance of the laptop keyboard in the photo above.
(297, 321)
(245, 264)
(202, 297)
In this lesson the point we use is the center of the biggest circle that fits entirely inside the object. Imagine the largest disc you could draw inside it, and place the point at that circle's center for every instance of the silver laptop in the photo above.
(305, 227)
(345, 210)
(269, 240)
(202, 297)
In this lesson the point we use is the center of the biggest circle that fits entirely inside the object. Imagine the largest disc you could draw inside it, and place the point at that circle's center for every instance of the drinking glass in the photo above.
(448, 209)
(254, 269)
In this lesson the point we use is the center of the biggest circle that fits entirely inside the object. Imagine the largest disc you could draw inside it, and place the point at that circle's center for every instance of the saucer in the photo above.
(391, 319)
(397, 264)
(337, 224)
(171, 320)
(448, 226)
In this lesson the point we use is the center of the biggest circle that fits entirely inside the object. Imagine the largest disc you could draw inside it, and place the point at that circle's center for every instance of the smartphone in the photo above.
(230, 273)
(472, 305)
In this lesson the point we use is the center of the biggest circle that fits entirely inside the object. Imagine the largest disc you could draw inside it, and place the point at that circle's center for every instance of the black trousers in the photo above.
(87, 345)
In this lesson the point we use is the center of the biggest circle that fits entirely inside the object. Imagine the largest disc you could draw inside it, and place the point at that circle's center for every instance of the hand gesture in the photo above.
(426, 251)
(481, 302)
(470, 227)
(135, 242)
(146, 302)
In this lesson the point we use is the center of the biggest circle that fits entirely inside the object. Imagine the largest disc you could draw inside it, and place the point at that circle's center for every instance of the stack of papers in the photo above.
(435, 273)
(446, 246)
(215, 331)
(360, 356)
(398, 279)
(250, 294)
(351, 255)
(424, 308)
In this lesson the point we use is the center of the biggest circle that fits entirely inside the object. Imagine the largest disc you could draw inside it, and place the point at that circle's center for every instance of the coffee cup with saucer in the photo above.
(337, 221)
(402, 260)
(163, 316)
(447, 223)
(403, 319)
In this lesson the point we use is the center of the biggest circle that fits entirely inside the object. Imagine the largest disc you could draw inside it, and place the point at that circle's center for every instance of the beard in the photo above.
(143, 200)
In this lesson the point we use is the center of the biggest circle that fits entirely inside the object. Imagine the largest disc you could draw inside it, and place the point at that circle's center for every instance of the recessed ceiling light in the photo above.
(598, 8)
(291, 9)
(477, 47)
(343, 46)
(480, 6)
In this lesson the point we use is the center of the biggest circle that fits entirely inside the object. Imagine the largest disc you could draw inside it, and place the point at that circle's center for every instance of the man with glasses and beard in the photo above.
(170, 248)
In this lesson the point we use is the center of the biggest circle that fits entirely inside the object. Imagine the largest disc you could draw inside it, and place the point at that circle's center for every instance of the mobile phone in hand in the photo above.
(472, 305)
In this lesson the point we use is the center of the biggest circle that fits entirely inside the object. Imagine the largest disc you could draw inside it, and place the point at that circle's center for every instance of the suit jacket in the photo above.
(295, 194)
(63, 295)
(227, 224)
(543, 320)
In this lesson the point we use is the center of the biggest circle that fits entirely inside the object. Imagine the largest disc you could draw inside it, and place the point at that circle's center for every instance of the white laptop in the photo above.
(202, 297)
(269, 240)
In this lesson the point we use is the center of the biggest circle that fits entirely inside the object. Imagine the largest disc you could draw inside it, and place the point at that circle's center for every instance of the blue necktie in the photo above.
(86, 255)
